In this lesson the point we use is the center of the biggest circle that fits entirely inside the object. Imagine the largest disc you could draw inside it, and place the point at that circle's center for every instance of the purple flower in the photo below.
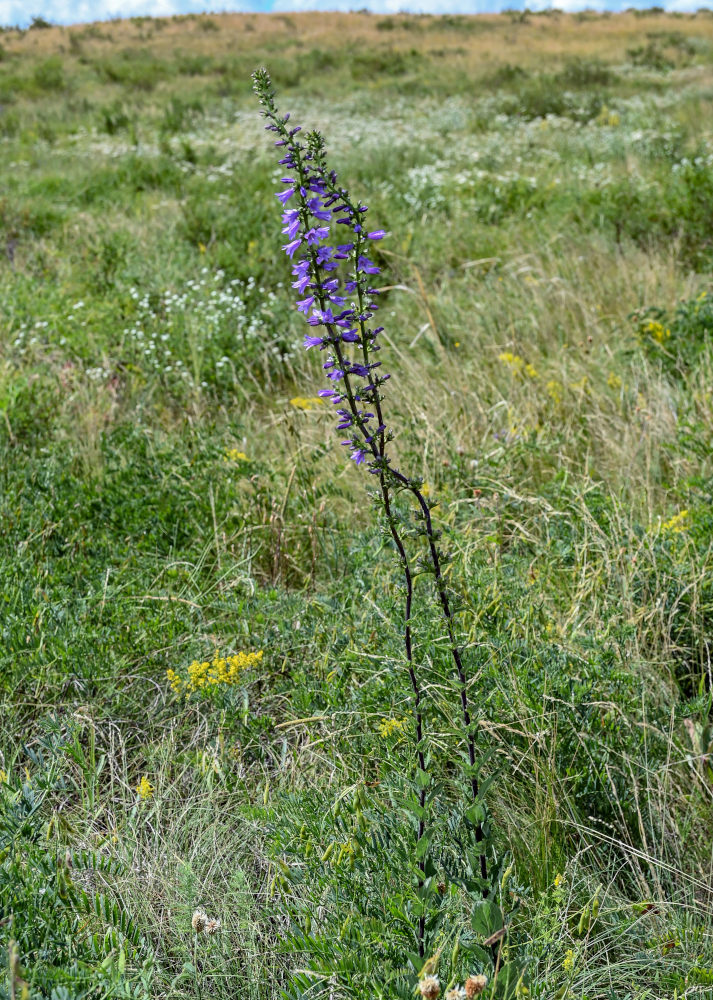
(315, 235)
(285, 195)
(315, 207)
(314, 342)
(304, 305)
(359, 455)
(292, 227)
(351, 336)
(336, 375)
(378, 234)
(290, 248)
(365, 265)
(320, 316)
(301, 284)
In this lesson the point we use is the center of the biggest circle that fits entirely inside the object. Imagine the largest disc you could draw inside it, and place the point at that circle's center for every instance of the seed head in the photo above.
(199, 921)
(429, 987)
(474, 986)
(212, 926)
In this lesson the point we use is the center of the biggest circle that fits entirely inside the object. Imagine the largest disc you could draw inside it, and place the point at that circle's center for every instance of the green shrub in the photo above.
(49, 75)
(136, 68)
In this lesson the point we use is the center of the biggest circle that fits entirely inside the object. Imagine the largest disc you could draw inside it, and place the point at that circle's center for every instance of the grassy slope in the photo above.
(543, 179)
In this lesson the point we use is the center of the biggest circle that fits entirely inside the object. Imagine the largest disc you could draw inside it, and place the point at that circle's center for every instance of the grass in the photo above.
(546, 181)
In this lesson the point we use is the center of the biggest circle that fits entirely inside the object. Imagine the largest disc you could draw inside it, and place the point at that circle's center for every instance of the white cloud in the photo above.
(78, 11)
(395, 6)
(456, 6)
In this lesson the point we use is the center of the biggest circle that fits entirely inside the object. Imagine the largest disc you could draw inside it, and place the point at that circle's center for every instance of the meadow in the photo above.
(203, 701)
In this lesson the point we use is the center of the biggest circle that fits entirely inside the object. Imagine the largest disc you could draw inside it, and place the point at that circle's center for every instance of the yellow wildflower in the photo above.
(559, 879)
(307, 402)
(517, 365)
(568, 963)
(513, 361)
(234, 455)
(554, 391)
(221, 670)
(387, 727)
(144, 788)
(613, 381)
(174, 680)
(3, 776)
(676, 524)
(657, 331)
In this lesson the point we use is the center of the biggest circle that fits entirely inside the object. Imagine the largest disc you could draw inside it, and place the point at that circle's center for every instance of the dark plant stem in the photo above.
(408, 578)
(455, 653)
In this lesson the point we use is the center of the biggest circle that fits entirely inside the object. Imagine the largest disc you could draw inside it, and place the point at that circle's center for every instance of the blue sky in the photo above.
(74, 11)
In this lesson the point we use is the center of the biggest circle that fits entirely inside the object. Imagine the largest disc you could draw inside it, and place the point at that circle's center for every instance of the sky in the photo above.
(20, 12)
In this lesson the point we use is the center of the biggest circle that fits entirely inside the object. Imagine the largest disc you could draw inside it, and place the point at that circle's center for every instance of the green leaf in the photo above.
(486, 917)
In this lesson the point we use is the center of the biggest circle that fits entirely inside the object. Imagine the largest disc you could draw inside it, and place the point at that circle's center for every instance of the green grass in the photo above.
(548, 323)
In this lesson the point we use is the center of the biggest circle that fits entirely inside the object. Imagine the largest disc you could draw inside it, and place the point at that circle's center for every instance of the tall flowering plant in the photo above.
(328, 242)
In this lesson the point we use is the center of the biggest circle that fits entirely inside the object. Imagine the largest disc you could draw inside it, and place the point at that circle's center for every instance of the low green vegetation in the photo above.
(173, 495)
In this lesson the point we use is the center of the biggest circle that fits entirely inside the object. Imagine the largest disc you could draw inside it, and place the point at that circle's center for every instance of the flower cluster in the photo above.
(387, 727)
(517, 365)
(221, 670)
(203, 924)
(430, 988)
(657, 331)
(144, 789)
(339, 308)
(306, 402)
(676, 524)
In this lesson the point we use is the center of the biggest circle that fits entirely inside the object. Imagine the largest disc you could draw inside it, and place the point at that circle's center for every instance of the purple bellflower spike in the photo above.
(351, 366)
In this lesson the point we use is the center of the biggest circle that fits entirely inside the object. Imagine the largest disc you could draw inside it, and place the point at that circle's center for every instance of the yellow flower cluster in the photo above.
(387, 727)
(144, 788)
(676, 524)
(554, 390)
(517, 365)
(607, 117)
(233, 455)
(656, 330)
(221, 670)
(306, 402)
(568, 963)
